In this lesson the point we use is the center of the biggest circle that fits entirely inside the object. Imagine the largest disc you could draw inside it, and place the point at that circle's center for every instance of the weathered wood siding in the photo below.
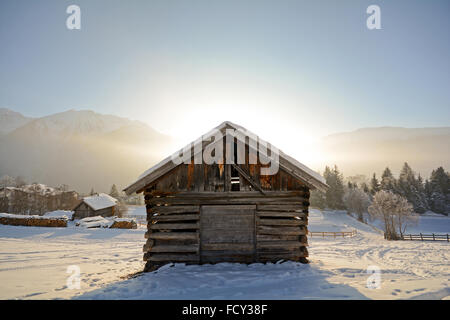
(179, 230)
(227, 233)
(202, 177)
(196, 215)
(83, 211)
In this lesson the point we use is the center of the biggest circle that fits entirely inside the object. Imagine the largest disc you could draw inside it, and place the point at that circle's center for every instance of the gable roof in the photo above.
(99, 201)
(312, 178)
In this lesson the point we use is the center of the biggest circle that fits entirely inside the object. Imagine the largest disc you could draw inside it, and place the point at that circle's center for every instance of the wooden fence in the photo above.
(324, 234)
(426, 237)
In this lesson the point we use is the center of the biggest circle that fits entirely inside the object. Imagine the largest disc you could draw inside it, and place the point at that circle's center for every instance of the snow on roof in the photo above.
(313, 178)
(100, 201)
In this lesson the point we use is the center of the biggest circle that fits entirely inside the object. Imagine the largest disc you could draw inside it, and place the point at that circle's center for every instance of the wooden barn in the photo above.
(226, 212)
(96, 205)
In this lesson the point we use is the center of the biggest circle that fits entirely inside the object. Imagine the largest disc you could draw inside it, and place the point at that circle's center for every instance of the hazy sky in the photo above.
(280, 68)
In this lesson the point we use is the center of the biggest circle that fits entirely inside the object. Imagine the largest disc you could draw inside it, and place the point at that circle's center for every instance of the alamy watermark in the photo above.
(73, 22)
(374, 20)
(209, 149)
(73, 282)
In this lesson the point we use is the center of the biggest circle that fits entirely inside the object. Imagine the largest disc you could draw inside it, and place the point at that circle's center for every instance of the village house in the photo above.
(35, 199)
(96, 205)
(226, 211)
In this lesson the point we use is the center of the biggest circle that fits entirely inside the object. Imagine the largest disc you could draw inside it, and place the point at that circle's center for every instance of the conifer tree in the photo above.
(439, 189)
(374, 185)
(388, 182)
(114, 192)
(335, 192)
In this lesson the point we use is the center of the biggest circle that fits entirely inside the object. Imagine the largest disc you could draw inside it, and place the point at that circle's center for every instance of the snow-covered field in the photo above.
(34, 261)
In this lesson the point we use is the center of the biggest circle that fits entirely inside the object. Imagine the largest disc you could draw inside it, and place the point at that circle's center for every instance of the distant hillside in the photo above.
(11, 120)
(82, 149)
(370, 150)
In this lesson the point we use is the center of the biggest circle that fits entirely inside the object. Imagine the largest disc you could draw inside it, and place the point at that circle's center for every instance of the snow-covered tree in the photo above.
(394, 211)
(365, 188)
(356, 201)
(388, 182)
(412, 189)
(114, 192)
(317, 199)
(438, 189)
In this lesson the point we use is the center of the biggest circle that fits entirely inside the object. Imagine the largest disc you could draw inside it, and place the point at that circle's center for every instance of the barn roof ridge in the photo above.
(290, 164)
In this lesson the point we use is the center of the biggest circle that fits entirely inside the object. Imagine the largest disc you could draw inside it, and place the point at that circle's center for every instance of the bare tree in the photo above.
(395, 212)
(356, 201)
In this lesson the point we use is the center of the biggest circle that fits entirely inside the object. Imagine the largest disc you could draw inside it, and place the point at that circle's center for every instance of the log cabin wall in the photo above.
(184, 209)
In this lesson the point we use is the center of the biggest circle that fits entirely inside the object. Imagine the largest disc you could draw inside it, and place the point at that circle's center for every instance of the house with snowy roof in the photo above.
(100, 204)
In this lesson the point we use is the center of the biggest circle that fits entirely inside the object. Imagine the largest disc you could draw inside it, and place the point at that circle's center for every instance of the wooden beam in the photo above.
(175, 217)
(280, 222)
(174, 235)
(281, 230)
(280, 214)
(215, 200)
(237, 194)
(174, 226)
(280, 244)
(174, 209)
(248, 178)
(173, 257)
(277, 207)
(175, 248)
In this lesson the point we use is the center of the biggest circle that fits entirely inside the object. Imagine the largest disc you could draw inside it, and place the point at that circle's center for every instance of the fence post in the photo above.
(410, 236)
(433, 236)
(421, 237)
(447, 238)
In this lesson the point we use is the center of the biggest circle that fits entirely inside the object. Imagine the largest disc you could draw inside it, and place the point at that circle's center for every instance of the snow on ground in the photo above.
(34, 260)
(338, 270)
(409, 269)
(33, 264)
(133, 210)
(139, 213)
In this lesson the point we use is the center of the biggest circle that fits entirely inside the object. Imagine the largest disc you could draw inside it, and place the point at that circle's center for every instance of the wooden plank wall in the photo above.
(174, 231)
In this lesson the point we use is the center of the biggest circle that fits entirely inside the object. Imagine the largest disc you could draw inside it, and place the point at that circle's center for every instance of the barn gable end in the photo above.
(200, 213)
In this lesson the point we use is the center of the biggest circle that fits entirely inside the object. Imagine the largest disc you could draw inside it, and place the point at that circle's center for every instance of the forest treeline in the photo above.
(433, 194)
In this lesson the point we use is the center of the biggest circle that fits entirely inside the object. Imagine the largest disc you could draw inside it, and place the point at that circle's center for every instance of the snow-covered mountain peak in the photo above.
(73, 122)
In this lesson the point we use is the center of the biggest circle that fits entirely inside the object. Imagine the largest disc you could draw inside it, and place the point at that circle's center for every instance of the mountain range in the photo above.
(369, 150)
(82, 149)
(85, 150)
